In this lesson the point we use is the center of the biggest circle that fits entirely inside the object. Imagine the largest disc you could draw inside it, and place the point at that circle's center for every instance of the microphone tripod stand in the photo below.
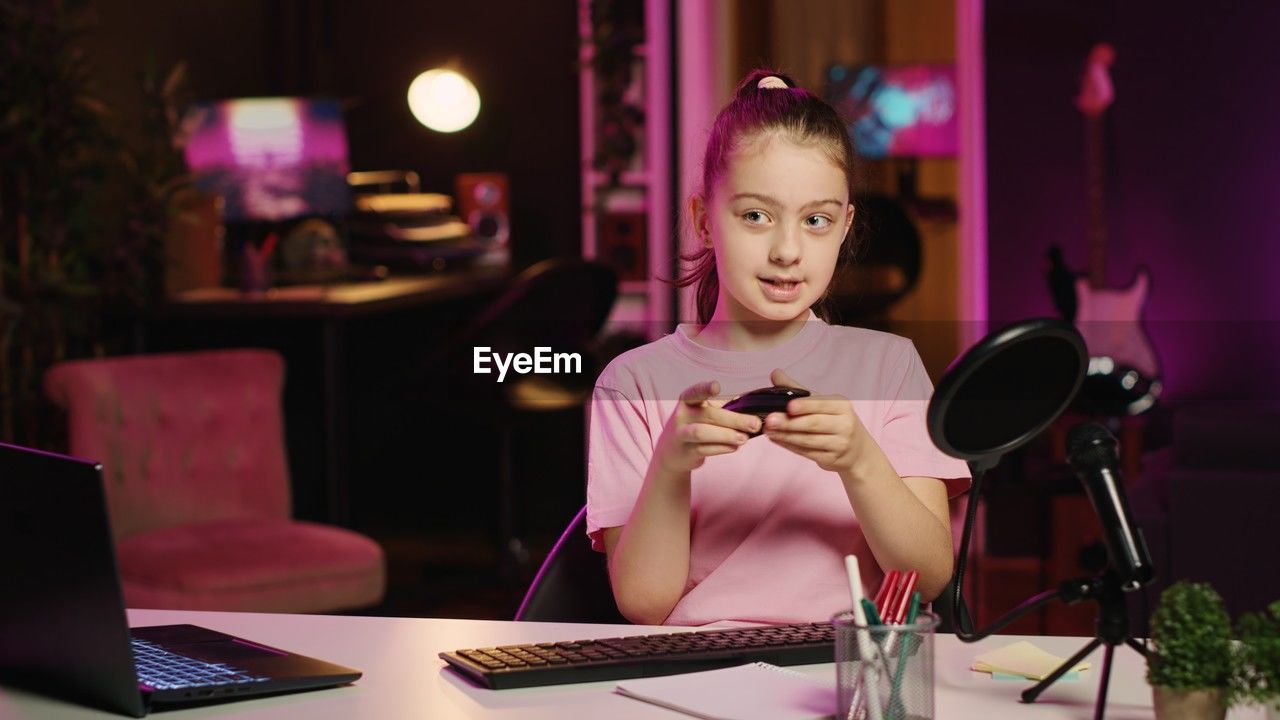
(1113, 615)
(1112, 630)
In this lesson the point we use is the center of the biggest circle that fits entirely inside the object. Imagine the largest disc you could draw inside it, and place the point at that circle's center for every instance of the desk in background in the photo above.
(338, 300)
(287, 319)
(404, 678)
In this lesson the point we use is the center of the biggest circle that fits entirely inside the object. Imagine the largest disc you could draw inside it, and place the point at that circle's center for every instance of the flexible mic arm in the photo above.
(1069, 591)
(959, 613)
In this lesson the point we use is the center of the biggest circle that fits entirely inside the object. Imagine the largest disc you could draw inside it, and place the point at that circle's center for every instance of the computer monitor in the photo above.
(897, 111)
(271, 159)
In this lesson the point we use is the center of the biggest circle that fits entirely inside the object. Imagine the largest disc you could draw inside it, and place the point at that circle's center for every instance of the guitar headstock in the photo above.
(1096, 91)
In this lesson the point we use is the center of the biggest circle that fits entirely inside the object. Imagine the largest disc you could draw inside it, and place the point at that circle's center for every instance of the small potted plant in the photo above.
(1191, 665)
(1257, 679)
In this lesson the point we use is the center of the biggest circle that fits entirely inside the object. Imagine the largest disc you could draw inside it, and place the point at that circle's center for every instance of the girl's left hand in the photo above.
(822, 428)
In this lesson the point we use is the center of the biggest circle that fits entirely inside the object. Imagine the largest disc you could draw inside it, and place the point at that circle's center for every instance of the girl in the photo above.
(702, 522)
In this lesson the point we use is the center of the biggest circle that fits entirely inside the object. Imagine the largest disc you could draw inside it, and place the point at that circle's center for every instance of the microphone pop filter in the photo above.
(1007, 389)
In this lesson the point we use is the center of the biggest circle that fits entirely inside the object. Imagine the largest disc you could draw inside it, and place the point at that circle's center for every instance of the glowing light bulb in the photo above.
(443, 100)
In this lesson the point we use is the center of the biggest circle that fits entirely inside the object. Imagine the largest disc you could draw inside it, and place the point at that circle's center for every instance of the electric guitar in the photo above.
(1124, 374)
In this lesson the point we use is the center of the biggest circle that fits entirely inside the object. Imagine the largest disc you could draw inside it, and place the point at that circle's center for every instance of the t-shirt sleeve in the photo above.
(619, 445)
(905, 435)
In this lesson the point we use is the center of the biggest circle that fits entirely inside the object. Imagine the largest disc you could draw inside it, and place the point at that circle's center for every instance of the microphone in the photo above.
(1091, 452)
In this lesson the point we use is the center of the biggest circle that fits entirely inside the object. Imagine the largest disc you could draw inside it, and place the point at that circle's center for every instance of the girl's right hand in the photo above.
(700, 428)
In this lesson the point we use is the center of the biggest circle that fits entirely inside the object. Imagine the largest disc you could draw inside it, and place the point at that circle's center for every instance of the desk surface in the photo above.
(339, 298)
(403, 677)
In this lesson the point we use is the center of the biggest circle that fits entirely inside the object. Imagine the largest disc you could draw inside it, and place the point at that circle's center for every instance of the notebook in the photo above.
(758, 691)
(63, 629)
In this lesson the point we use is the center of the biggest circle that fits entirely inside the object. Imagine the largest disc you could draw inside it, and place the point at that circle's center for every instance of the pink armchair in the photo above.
(192, 448)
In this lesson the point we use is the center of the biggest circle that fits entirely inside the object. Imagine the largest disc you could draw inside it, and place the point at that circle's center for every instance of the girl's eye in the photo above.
(818, 222)
(754, 217)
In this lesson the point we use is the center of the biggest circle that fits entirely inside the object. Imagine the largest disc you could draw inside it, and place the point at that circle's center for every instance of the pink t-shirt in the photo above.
(769, 528)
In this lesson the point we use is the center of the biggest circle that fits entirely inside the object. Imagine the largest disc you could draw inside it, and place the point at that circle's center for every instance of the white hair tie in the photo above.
(772, 81)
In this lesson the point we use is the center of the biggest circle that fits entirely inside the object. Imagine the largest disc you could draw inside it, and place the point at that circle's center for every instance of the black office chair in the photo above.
(573, 583)
(560, 303)
(887, 265)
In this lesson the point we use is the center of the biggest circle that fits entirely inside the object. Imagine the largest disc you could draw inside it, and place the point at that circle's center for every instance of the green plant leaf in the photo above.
(1190, 639)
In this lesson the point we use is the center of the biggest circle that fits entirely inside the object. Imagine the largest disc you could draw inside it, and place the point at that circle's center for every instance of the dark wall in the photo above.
(1194, 164)
(224, 43)
(521, 56)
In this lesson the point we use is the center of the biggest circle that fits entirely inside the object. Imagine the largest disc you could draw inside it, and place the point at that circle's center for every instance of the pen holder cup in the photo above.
(895, 680)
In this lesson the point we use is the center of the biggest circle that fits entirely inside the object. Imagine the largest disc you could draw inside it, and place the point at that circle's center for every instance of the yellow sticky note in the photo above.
(983, 667)
(1021, 658)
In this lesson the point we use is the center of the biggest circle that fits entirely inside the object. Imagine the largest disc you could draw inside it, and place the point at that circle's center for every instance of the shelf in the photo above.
(643, 188)
(628, 178)
(634, 287)
(587, 51)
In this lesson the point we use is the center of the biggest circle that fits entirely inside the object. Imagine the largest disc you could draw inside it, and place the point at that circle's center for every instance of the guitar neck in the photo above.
(1097, 205)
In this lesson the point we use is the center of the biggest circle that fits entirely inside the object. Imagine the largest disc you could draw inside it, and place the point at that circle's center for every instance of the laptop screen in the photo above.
(63, 628)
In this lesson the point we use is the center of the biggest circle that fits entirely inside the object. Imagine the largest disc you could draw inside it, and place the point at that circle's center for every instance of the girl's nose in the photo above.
(785, 249)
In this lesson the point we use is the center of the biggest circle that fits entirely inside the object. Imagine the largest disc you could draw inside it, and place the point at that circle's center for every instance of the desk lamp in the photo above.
(1003, 392)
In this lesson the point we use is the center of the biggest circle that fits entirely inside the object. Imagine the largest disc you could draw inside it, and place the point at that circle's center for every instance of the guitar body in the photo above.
(1111, 322)
(1124, 373)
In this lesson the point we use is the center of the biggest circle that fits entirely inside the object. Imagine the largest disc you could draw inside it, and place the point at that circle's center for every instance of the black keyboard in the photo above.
(555, 663)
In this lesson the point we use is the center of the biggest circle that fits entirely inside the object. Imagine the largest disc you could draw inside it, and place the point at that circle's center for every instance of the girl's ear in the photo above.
(848, 218)
(698, 217)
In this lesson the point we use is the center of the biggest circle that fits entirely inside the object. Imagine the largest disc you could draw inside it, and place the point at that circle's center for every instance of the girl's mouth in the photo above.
(780, 290)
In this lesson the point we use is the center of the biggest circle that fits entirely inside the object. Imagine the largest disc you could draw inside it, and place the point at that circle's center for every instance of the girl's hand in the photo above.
(822, 428)
(700, 428)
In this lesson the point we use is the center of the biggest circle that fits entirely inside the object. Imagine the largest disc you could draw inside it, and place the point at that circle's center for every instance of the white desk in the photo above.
(404, 678)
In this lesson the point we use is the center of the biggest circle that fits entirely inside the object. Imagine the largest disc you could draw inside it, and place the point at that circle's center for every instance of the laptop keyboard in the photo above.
(165, 670)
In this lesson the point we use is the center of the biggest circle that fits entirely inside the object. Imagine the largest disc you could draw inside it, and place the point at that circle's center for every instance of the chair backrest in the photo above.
(558, 299)
(887, 265)
(573, 583)
(182, 437)
(560, 303)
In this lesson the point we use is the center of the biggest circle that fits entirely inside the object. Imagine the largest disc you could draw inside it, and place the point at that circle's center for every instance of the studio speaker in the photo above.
(485, 205)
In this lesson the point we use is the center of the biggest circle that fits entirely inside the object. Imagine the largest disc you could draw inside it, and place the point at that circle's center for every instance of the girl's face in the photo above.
(777, 219)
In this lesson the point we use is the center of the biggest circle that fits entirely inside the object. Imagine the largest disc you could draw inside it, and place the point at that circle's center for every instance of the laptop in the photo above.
(63, 630)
